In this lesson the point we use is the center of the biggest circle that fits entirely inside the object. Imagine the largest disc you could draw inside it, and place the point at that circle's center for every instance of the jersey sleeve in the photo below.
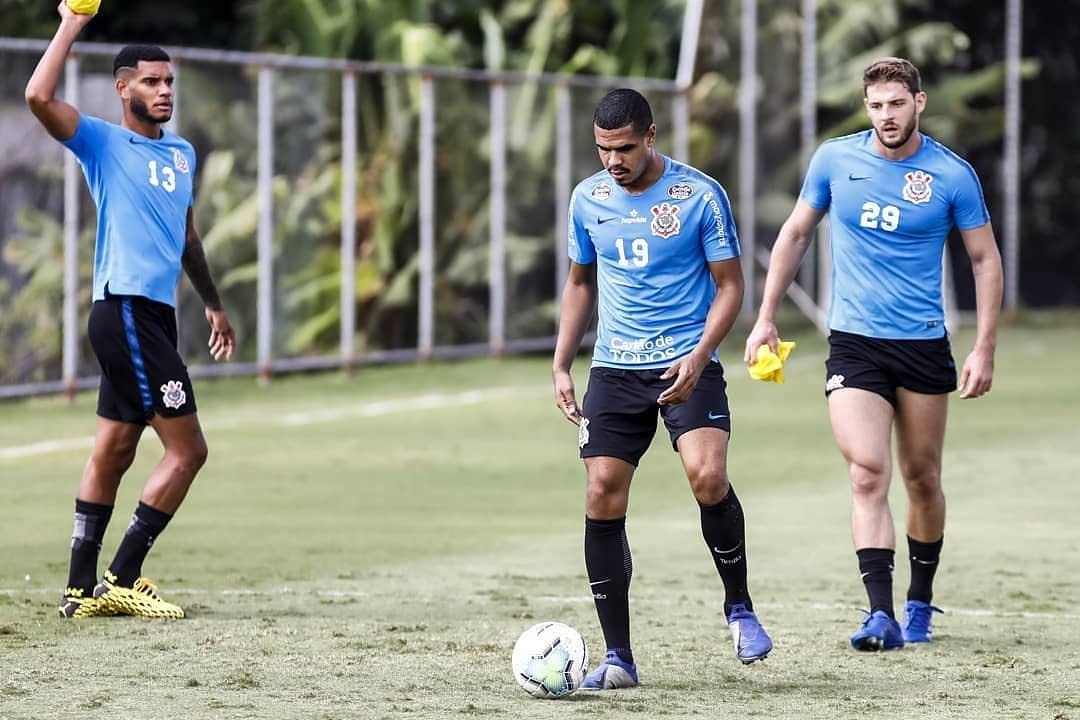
(579, 244)
(89, 138)
(192, 165)
(969, 206)
(719, 237)
(816, 190)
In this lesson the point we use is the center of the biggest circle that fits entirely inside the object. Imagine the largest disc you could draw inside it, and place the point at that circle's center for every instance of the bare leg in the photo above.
(861, 423)
(704, 457)
(114, 450)
(185, 454)
(607, 493)
(920, 434)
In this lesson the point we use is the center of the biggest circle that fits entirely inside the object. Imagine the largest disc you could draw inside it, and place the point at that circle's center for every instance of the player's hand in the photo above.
(564, 395)
(977, 375)
(763, 333)
(686, 371)
(222, 336)
(69, 15)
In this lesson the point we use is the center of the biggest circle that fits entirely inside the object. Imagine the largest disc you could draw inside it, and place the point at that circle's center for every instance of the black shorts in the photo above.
(882, 366)
(619, 410)
(134, 339)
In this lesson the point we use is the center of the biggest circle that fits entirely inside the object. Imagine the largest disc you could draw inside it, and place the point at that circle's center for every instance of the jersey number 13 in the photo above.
(168, 176)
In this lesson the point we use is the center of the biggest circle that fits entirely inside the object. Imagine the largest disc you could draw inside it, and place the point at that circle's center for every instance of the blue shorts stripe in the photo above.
(136, 355)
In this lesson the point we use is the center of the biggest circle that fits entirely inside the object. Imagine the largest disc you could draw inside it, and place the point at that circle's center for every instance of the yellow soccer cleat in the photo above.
(141, 600)
(74, 605)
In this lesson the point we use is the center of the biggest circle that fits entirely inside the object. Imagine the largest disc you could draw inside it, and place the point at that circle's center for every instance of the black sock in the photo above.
(146, 524)
(608, 562)
(724, 530)
(876, 568)
(91, 519)
(924, 563)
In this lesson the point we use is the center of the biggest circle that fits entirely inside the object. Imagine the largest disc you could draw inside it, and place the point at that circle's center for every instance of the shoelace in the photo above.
(919, 618)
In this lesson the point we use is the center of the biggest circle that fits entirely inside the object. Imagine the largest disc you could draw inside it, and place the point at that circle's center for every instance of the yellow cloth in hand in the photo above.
(769, 365)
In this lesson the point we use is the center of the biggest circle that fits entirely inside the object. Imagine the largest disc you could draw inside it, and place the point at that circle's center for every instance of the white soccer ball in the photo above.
(550, 660)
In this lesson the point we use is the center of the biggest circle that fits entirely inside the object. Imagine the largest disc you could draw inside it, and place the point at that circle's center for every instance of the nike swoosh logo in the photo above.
(852, 176)
(601, 221)
(718, 551)
(716, 416)
(925, 562)
(599, 582)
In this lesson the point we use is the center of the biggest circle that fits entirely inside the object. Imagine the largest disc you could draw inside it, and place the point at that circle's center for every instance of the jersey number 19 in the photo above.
(640, 249)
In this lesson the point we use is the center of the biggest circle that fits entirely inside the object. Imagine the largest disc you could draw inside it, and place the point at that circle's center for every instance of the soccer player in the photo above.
(653, 246)
(892, 195)
(140, 176)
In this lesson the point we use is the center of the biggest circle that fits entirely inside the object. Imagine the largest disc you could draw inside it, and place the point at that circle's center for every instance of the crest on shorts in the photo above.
(179, 161)
(680, 191)
(917, 189)
(173, 395)
(665, 220)
(583, 433)
(834, 383)
(601, 191)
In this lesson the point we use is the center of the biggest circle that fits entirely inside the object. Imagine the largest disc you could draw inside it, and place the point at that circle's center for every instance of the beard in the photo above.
(905, 135)
(140, 110)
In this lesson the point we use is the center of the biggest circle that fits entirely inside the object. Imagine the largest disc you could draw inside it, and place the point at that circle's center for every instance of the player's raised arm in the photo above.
(60, 119)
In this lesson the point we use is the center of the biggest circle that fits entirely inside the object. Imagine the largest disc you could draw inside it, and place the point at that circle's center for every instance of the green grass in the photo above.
(380, 564)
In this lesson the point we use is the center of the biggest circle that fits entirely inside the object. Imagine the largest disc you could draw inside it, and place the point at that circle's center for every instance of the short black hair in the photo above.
(623, 107)
(130, 56)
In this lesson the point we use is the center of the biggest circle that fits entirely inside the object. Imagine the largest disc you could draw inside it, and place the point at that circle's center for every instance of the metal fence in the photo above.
(359, 212)
(429, 201)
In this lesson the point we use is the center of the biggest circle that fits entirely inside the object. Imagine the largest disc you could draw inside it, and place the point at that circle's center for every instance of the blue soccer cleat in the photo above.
(612, 674)
(917, 616)
(878, 632)
(752, 643)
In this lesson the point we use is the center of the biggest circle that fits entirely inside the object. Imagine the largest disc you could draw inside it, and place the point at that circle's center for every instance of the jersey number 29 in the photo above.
(874, 216)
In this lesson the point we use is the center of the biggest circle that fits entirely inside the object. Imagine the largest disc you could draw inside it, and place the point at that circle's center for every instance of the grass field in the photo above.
(371, 546)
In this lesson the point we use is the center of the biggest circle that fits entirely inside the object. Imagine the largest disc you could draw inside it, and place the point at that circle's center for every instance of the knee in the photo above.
(116, 457)
(191, 459)
(708, 482)
(605, 496)
(868, 480)
(923, 483)
(602, 487)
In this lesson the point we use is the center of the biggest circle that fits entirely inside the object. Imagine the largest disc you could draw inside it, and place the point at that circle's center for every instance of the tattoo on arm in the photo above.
(198, 271)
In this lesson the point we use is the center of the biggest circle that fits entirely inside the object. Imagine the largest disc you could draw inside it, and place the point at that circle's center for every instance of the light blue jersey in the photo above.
(651, 250)
(888, 223)
(143, 189)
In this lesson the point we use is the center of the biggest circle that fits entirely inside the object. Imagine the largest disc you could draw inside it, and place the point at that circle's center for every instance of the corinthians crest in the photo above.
(917, 189)
(173, 395)
(179, 161)
(665, 220)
